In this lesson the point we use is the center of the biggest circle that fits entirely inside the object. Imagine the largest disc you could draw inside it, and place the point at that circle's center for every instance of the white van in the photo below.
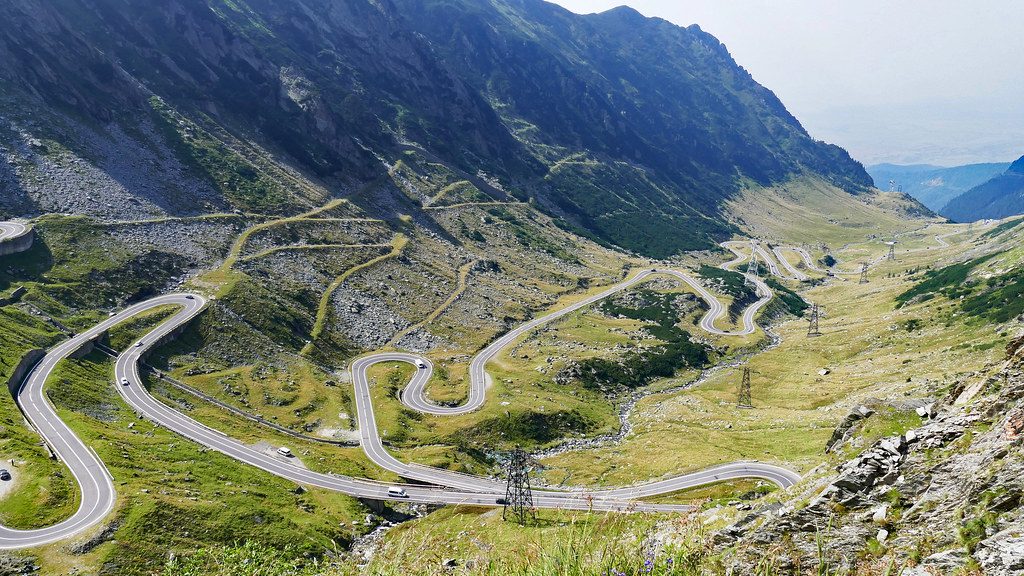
(287, 453)
(396, 492)
(421, 364)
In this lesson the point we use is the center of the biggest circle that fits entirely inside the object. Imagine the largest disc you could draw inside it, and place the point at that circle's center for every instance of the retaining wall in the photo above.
(88, 346)
(18, 243)
(30, 359)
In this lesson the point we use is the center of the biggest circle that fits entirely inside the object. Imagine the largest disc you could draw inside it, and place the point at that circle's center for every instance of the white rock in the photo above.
(882, 535)
(879, 514)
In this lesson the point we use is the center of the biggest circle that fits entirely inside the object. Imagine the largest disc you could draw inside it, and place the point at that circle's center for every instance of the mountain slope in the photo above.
(682, 122)
(630, 130)
(1000, 197)
(935, 186)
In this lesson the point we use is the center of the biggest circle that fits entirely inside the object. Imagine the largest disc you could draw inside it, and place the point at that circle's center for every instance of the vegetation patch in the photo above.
(998, 299)
(621, 204)
(234, 176)
(528, 237)
(176, 495)
(733, 284)
(249, 557)
(74, 265)
(637, 368)
(950, 281)
(786, 299)
(1004, 227)
(527, 428)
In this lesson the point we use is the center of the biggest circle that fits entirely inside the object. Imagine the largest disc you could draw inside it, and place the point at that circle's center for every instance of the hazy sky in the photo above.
(906, 81)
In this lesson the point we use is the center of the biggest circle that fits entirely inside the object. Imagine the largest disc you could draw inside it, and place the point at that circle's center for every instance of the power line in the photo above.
(518, 496)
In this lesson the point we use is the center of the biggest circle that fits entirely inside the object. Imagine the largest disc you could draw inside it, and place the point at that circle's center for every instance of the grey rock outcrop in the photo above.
(935, 500)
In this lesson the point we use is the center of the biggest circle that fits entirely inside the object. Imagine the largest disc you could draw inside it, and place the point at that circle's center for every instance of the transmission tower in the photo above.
(752, 270)
(518, 496)
(864, 273)
(892, 185)
(744, 398)
(892, 251)
(813, 329)
(970, 227)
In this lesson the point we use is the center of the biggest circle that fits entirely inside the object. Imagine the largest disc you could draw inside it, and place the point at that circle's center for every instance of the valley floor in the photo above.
(892, 359)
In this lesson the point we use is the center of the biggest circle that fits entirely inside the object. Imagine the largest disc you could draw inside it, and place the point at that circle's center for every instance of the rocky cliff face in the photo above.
(943, 498)
(628, 129)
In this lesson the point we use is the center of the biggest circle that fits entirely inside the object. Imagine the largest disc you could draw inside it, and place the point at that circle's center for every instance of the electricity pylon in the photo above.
(813, 329)
(752, 270)
(518, 496)
(864, 273)
(744, 400)
(892, 250)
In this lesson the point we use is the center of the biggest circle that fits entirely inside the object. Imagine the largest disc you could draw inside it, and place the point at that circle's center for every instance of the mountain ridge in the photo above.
(629, 144)
(1000, 197)
(933, 185)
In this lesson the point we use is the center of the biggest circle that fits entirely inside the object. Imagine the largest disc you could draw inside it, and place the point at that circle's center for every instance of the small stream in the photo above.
(363, 548)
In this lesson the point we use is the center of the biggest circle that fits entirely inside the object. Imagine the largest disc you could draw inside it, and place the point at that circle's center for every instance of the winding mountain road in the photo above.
(940, 243)
(10, 230)
(98, 495)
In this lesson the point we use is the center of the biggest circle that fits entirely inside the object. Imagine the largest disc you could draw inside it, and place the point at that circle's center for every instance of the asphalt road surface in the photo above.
(97, 489)
(11, 230)
(414, 395)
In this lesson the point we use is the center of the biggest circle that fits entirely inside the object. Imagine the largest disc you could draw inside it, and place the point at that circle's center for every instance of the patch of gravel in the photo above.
(204, 242)
(366, 319)
(7, 486)
(12, 565)
(318, 232)
(421, 340)
(125, 176)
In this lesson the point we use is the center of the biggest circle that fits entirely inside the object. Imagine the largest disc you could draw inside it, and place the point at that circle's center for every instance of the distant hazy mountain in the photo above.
(935, 186)
(1000, 197)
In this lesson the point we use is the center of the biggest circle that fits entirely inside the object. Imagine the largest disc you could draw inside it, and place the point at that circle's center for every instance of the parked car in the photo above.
(286, 452)
(5, 475)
